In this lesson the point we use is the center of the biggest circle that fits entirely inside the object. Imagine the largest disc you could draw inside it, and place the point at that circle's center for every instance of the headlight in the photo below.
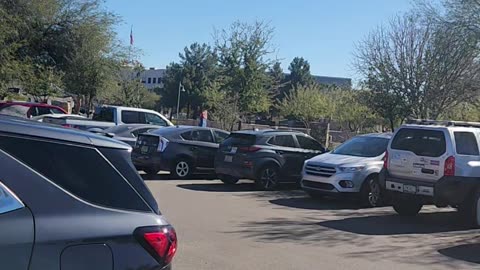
(351, 168)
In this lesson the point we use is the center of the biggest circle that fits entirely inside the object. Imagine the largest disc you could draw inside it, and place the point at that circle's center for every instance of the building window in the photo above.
(149, 80)
(159, 80)
(154, 80)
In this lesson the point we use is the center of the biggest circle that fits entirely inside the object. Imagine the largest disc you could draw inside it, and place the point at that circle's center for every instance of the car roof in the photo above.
(387, 135)
(263, 132)
(127, 108)
(174, 129)
(30, 104)
(20, 126)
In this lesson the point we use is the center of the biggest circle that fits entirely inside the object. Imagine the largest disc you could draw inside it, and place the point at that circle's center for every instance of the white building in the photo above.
(153, 78)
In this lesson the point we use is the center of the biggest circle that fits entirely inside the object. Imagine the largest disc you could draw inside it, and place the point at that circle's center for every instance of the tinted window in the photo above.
(430, 143)
(202, 136)
(239, 139)
(43, 110)
(154, 119)
(309, 143)
(57, 111)
(466, 143)
(132, 117)
(104, 114)
(363, 146)
(187, 135)
(283, 140)
(220, 136)
(79, 170)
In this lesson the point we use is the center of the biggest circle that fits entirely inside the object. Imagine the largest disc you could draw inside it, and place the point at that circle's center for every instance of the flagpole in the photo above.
(131, 44)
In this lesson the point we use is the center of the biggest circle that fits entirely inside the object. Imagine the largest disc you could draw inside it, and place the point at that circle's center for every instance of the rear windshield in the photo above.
(363, 146)
(422, 142)
(239, 139)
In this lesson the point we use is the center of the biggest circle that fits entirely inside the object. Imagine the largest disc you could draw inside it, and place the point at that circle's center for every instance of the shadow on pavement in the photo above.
(312, 204)
(219, 187)
(168, 177)
(427, 223)
(468, 252)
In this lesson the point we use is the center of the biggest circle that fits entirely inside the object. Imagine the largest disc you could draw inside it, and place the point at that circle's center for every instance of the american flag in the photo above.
(131, 36)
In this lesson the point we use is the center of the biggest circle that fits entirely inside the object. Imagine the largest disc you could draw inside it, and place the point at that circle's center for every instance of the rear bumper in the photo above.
(155, 160)
(234, 170)
(451, 190)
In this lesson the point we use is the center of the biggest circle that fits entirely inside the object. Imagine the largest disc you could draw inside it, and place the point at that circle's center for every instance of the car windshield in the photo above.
(363, 146)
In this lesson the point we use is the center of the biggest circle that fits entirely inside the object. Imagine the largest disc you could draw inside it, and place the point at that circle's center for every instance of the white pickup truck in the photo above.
(107, 116)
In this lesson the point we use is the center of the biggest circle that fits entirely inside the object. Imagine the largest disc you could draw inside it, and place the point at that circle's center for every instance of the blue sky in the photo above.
(324, 31)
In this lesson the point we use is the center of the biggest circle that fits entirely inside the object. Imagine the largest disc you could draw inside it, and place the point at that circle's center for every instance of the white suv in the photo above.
(434, 162)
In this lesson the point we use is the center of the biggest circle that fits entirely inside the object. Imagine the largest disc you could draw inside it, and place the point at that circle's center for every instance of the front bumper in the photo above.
(331, 185)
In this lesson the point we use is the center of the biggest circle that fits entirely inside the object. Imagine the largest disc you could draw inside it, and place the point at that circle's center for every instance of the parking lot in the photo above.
(222, 227)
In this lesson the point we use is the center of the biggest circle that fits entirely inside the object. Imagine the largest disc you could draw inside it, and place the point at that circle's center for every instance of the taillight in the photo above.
(162, 144)
(161, 242)
(249, 148)
(385, 160)
(449, 169)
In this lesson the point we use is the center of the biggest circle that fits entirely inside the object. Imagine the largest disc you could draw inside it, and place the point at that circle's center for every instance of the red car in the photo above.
(28, 109)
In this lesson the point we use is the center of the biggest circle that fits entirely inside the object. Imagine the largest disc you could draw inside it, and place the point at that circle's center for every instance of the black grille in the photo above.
(319, 170)
(318, 185)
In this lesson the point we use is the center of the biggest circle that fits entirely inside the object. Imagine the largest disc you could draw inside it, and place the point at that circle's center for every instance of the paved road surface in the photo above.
(223, 228)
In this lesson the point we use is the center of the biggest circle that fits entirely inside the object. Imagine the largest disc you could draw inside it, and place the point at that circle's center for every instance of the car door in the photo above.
(16, 222)
(205, 147)
(309, 146)
(288, 151)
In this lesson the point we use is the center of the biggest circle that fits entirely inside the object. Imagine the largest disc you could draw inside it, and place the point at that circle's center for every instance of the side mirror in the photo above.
(110, 135)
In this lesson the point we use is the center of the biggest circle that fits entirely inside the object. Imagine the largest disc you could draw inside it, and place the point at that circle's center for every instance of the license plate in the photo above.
(409, 189)
(228, 158)
(233, 150)
(144, 149)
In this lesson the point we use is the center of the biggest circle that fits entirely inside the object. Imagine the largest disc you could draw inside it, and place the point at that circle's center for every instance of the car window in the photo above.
(79, 170)
(309, 143)
(43, 110)
(140, 131)
(187, 135)
(363, 146)
(15, 110)
(220, 136)
(104, 114)
(154, 119)
(283, 140)
(202, 136)
(466, 143)
(56, 111)
(422, 142)
(133, 117)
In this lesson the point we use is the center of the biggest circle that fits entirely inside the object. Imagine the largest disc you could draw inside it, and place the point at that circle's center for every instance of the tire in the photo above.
(470, 209)
(315, 195)
(406, 206)
(150, 171)
(181, 169)
(371, 193)
(228, 180)
(267, 177)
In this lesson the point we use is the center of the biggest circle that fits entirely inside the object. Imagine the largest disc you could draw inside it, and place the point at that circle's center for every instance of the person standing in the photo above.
(203, 118)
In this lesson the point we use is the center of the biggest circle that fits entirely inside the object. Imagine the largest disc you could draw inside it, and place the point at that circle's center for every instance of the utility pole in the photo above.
(180, 89)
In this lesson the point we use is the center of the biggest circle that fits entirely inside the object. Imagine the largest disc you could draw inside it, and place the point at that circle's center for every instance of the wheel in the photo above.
(150, 171)
(470, 209)
(315, 195)
(267, 178)
(406, 206)
(371, 192)
(227, 179)
(181, 169)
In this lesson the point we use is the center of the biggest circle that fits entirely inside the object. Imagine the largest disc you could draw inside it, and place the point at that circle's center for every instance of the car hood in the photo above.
(337, 160)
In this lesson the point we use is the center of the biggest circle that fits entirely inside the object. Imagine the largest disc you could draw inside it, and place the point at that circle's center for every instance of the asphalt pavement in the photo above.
(228, 228)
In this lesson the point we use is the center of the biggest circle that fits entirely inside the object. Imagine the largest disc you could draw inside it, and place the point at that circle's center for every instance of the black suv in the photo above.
(73, 200)
(266, 156)
(182, 150)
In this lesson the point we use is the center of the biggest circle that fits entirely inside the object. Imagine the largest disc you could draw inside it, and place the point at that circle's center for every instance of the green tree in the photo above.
(43, 82)
(243, 52)
(224, 108)
(171, 81)
(305, 103)
(299, 72)
(199, 63)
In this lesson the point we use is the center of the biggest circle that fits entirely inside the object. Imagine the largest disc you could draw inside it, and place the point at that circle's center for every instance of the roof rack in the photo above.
(447, 123)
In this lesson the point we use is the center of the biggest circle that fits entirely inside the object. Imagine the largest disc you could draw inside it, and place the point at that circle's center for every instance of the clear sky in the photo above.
(323, 31)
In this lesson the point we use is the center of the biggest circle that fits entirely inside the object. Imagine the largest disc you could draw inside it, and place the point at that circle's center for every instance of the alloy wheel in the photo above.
(182, 169)
(269, 178)
(374, 193)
